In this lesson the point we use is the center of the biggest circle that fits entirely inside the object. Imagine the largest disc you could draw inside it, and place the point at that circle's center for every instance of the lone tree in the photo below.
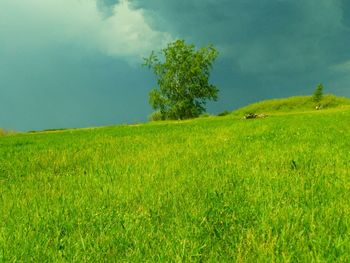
(183, 80)
(318, 95)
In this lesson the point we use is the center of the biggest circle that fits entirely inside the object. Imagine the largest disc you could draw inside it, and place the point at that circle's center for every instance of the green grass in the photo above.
(294, 104)
(217, 189)
(4, 132)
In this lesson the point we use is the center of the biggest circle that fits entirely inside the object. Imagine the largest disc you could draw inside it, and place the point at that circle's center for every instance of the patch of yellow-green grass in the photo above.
(217, 189)
(4, 132)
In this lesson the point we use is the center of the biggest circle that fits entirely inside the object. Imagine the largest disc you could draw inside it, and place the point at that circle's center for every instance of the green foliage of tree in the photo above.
(183, 80)
(155, 116)
(318, 94)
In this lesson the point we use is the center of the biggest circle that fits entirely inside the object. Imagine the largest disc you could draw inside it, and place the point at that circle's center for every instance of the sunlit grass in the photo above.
(294, 104)
(211, 189)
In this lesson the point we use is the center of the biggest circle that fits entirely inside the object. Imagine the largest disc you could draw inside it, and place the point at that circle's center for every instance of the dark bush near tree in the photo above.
(156, 116)
(224, 113)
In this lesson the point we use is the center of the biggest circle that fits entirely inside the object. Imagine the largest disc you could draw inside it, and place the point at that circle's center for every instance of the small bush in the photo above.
(156, 116)
(318, 94)
(224, 113)
(204, 115)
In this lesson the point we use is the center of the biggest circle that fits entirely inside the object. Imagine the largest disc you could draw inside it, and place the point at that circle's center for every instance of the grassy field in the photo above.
(294, 104)
(216, 189)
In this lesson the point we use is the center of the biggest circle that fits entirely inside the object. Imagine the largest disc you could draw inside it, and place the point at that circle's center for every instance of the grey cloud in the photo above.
(35, 24)
(64, 66)
(265, 35)
(286, 46)
(106, 6)
(65, 87)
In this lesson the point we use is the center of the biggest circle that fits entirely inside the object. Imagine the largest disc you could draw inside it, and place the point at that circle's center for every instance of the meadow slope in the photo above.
(212, 189)
(294, 104)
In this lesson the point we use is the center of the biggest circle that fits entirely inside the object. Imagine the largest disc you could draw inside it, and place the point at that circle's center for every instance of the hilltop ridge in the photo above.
(293, 104)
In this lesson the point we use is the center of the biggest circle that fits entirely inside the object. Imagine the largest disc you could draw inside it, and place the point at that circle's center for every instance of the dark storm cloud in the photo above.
(345, 5)
(261, 35)
(67, 88)
(81, 68)
(63, 64)
(272, 47)
(106, 6)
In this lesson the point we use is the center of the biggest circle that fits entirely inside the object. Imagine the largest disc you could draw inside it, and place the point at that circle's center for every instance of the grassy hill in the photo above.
(212, 189)
(293, 104)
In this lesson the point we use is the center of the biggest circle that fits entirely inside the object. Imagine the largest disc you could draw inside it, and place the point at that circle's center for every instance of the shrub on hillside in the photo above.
(224, 113)
(318, 95)
(204, 115)
(156, 116)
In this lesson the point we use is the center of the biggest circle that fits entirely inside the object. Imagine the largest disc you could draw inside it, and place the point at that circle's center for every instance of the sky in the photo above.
(77, 63)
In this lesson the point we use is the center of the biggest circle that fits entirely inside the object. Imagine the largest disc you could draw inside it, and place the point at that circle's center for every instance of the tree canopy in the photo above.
(318, 94)
(183, 80)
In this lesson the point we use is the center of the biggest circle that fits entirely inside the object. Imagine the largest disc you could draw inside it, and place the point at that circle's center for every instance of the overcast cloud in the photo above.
(76, 63)
(37, 24)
